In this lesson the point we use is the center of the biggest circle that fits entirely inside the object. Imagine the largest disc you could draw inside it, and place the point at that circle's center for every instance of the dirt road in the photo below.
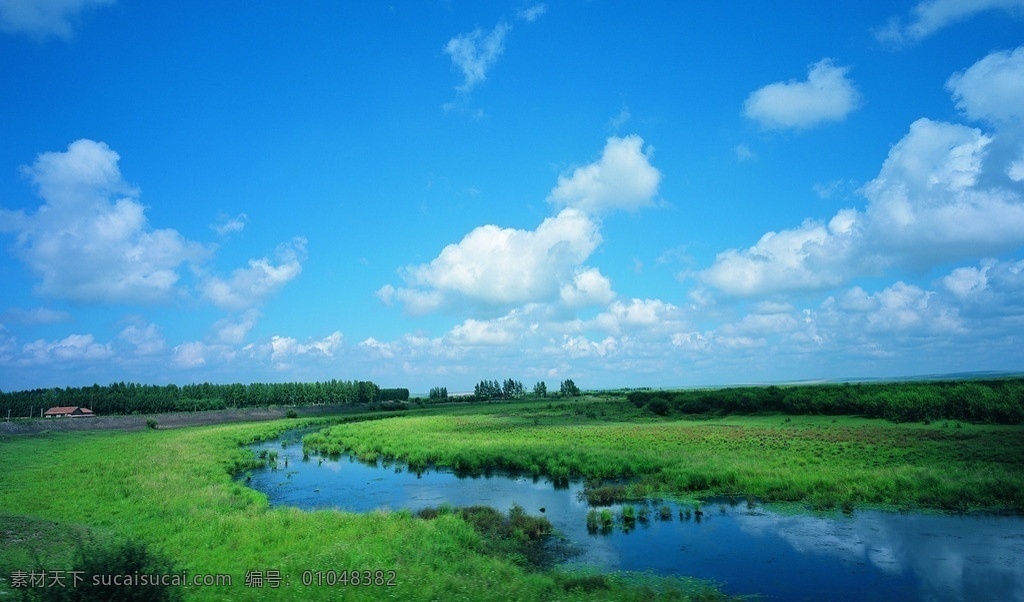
(167, 421)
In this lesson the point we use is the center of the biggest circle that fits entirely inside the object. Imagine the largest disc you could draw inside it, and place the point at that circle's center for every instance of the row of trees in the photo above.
(999, 401)
(487, 390)
(129, 398)
(393, 395)
(490, 389)
(133, 398)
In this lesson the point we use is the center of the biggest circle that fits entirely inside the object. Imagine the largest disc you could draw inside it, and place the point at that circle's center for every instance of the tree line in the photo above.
(131, 398)
(510, 388)
(998, 401)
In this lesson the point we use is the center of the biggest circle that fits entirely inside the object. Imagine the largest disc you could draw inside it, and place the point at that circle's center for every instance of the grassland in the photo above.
(825, 461)
(172, 490)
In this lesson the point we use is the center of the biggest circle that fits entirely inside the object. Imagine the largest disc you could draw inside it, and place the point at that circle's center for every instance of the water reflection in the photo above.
(869, 556)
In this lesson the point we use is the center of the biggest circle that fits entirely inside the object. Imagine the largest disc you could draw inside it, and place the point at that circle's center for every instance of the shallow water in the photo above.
(871, 555)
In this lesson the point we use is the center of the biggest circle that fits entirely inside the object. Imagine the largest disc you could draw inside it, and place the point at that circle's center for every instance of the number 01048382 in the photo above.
(353, 578)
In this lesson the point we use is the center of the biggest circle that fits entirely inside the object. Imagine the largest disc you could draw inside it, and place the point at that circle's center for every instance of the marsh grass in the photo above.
(518, 536)
(173, 491)
(822, 461)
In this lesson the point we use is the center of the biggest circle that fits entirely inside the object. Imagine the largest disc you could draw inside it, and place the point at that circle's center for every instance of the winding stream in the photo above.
(871, 555)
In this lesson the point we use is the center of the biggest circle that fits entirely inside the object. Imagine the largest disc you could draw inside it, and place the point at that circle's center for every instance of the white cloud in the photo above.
(993, 88)
(229, 225)
(813, 256)
(930, 16)
(691, 341)
(901, 308)
(502, 266)
(383, 350)
(44, 18)
(930, 203)
(284, 348)
(826, 95)
(588, 287)
(581, 346)
(145, 337)
(234, 329)
(485, 332)
(623, 178)
(533, 12)
(991, 291)
(926, 205)
(190, 355)
(967, 281)
(73, 348)
(248, 287)
(474, 53)
(90, 241)
(638, 315)
(1015, 171)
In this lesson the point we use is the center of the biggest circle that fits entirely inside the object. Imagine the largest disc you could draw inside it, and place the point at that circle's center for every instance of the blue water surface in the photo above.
(784, 556)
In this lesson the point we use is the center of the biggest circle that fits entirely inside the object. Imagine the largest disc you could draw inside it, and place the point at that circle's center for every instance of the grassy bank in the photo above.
(171, 491)
(822, 460)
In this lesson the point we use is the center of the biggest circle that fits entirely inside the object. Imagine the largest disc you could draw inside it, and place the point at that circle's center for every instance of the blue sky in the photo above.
(433, 193)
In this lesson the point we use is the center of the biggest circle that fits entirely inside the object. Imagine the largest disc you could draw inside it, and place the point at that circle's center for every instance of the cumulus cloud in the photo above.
(813, 256)
(992, 89)
(248, 287)
(474, 53)
(929, 16)
(1015, 170)
(588, 287)
(502, 266)
(145, 337)
(930, 203)
(992, 290)
(623, 178)
(638, 315)
(381, 349)
(826, 95)
(494, 267)
(233, 330)
(285, 348)
(581, 346)
(927, 204)
(73, 348)
(90, 241)
(44, 18)
(190, 355)
(900, 308)
(472, 332)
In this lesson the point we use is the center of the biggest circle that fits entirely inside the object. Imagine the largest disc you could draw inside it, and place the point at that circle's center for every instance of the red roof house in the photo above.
(62, 411)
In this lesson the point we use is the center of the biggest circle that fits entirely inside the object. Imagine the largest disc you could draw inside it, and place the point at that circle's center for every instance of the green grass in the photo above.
(171, 490)
(825, 462)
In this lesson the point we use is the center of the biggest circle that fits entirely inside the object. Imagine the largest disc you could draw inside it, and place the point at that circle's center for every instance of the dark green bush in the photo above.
(98, 562)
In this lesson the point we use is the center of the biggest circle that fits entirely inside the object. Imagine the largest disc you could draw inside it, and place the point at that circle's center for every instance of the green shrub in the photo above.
(99, 562)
